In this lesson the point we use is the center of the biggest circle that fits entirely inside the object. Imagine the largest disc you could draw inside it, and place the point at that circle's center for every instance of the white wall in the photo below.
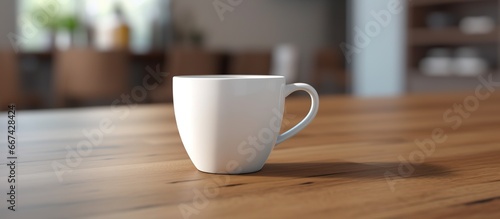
(379, 60)
(262, 24)
(7, 21)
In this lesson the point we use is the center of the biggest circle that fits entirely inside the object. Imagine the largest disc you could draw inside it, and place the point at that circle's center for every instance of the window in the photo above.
(36, 18)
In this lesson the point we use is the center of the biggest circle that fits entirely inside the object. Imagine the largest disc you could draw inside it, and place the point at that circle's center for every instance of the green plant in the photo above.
(55, 22)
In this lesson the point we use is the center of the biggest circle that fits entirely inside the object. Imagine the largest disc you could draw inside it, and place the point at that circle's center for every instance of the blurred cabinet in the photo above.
(250, 63)
(10, 85)
(329, 67)
(186, 61)
(87, 76)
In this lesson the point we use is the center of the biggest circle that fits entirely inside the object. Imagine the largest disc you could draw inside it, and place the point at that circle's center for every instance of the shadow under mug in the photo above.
(230, 124)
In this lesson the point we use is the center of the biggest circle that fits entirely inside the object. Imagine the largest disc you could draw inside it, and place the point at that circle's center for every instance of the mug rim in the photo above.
(229, 77)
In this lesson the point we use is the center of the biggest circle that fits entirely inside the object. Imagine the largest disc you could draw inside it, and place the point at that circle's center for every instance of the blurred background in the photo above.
(76, 53)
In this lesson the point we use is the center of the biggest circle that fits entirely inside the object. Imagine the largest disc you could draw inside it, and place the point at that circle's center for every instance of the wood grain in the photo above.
(335, 168)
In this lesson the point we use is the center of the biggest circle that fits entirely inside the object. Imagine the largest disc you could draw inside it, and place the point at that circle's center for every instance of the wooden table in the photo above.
(354, 160)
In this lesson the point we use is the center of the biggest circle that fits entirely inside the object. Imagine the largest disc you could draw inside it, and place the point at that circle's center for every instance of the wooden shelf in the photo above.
(442, 2)
(420, 38)
(450, 36)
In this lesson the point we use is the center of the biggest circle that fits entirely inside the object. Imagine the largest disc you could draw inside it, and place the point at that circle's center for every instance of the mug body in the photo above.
(229, 124)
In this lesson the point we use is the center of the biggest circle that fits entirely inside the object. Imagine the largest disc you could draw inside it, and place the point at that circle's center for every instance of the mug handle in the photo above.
(290, 88)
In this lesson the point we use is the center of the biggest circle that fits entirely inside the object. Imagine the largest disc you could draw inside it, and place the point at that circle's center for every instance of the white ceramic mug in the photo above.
(229, 124)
